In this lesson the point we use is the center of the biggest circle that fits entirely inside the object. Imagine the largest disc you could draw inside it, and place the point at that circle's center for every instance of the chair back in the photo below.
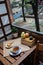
(40, 47)
(38, 54)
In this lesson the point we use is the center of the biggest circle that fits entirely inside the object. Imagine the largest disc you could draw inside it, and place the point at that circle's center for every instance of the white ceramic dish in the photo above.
(15, 53)
(15, 49)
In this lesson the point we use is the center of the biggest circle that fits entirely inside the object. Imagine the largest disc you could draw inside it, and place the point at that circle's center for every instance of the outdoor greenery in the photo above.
(14, 30)
(33, 1)
(28, 7)
(14, 4)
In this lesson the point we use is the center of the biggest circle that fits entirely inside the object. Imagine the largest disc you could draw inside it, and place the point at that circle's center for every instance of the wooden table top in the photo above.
(14, 60)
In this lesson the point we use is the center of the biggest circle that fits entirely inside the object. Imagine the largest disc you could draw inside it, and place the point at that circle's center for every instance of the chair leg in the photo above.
(35, 59)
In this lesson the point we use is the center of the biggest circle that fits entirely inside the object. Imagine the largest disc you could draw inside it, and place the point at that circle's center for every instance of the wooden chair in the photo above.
(38, 58)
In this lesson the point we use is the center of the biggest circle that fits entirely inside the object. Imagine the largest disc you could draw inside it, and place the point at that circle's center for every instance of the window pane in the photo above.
(9, 36)
(2, 40)
(7, 29)
(28, 10)
(1, 33)
(1, 0)
(16, 6)
(2, 9)
(40, 8)
(5, 20)
(29, 24)
(41, 25)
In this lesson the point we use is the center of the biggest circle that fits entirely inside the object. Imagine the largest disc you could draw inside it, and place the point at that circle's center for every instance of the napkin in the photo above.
(15, 42)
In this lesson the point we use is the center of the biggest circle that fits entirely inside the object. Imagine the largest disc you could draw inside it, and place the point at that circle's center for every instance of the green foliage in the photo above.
(14, 30)
(27, 0)
(14, 3)
(33, 1)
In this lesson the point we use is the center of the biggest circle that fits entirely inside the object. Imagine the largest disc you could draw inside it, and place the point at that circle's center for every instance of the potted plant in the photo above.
(15, 32)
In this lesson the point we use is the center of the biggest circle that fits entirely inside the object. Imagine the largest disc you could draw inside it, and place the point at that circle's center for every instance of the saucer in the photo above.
(14, 54)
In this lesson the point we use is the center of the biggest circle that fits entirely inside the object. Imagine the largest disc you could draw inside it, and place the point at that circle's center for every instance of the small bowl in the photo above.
(15, 49)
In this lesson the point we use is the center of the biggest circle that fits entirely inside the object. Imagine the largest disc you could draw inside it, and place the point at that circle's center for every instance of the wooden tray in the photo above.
(29, 42)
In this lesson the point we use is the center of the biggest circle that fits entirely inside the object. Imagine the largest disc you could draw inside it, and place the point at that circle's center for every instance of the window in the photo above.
(16, 6)
(1, 0)
(1, 33)
(2, 11)
(5, 25)
(40, 8)
(5, 20)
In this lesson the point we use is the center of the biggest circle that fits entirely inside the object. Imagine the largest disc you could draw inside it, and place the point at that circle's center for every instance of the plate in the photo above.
(8, 47)
(15, 49)
(14, 54)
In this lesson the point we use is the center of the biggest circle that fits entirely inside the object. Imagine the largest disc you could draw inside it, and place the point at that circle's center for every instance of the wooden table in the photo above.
(14, 60)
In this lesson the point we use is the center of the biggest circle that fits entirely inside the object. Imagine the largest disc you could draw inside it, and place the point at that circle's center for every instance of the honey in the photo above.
(16, 49)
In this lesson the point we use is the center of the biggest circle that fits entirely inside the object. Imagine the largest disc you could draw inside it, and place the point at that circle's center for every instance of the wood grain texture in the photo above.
(40, 47)
(38, 54)
(21, 54)
(15, 60)
(25, 55)
(9, 58)
(5, 62)
(1, 51)
(17, 57)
